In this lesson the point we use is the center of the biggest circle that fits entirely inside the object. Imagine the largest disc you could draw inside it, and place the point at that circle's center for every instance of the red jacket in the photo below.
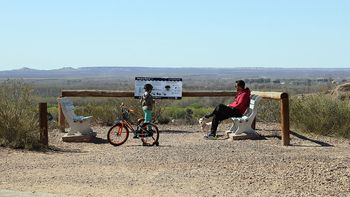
(241, 101)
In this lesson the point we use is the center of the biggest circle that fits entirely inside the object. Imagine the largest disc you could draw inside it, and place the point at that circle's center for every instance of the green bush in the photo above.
(163, 119)
(53, 110)
(189, 114)
(102, 113)
(19, 127)
(269, 111)
(320, 114)
(105, 113)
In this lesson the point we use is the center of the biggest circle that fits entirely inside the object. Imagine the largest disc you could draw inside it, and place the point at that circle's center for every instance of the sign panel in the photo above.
(163, 88)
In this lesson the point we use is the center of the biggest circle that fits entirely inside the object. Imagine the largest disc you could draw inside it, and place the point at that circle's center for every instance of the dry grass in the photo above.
(321, 114)
(18, 117)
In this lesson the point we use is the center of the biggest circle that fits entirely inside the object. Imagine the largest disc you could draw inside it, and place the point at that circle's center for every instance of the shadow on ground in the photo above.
(98, 140)
(168, 131)
(275, 135)
(266, 136)
(325, 144)
(54, 149)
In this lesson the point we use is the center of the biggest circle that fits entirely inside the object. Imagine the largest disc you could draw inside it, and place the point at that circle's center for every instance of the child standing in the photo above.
(147, 103)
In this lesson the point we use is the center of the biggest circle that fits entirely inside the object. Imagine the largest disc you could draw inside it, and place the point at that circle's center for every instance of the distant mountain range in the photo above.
(127, 72)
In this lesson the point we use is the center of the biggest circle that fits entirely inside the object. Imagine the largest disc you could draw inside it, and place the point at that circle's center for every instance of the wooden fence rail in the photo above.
(281, 96)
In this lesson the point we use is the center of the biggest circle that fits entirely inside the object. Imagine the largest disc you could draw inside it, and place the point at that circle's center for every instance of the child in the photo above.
(147, 103)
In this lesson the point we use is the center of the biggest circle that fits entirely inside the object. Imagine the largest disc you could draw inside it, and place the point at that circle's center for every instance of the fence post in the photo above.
(285, 119)
(61, 119)
(44, 139)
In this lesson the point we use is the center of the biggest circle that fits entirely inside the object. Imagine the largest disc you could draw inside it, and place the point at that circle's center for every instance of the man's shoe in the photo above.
(210, 136)
(135, 137)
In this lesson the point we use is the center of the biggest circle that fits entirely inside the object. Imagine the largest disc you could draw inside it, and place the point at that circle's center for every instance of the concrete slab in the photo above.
(78, 137)
(243, 136)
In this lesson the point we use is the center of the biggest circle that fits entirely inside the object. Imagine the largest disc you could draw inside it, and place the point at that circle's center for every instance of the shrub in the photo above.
(269, 111)
(189, 114)
(102, 113)
(163, 119)
(321, 114)
(19, 127)
(105, 113)
(53, 110)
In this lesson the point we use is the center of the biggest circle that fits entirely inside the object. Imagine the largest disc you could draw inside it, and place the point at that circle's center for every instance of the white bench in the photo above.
(80, 125)
(244, 123)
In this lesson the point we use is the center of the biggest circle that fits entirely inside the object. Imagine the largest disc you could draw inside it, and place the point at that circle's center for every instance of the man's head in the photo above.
(240, 85)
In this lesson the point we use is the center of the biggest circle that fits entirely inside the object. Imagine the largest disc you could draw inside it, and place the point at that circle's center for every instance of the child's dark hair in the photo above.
(148, 87)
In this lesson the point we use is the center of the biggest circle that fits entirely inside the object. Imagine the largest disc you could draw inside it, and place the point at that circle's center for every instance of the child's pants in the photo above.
(148, 116)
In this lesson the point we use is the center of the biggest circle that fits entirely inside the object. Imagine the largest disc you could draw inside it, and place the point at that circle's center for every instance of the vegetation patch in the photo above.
(321, 114)
(19, 127)
(314, 112)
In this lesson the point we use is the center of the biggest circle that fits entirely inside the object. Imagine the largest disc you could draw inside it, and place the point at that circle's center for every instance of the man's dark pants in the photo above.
(222, 112)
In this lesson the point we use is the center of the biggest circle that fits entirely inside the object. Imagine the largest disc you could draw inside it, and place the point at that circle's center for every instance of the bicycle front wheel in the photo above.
(149, 134)
(117, 134)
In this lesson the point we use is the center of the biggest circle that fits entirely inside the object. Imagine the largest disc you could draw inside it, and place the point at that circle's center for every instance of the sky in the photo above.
(42, 34)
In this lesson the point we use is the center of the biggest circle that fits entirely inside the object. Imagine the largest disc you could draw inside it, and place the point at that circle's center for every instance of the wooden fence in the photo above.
(44, 139)
(281, 96)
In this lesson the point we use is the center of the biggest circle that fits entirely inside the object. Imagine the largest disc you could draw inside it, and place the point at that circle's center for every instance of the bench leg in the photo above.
(232, 129)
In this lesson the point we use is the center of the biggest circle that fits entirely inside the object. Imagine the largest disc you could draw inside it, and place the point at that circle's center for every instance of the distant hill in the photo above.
(192, 72)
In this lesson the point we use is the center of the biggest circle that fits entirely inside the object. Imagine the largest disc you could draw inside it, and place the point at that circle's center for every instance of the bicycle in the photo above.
(119, 132)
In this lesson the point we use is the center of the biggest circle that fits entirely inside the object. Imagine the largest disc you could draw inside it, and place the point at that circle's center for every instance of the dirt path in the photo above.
(183, 165)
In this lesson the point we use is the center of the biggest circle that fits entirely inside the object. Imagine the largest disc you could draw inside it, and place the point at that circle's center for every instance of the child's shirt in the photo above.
(147, 101)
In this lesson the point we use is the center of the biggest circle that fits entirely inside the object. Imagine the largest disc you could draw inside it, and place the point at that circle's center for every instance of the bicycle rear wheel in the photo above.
(117, 134)
(149, 134)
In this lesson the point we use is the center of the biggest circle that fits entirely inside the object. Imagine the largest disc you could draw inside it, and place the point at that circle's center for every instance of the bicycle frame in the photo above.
(124, 121)
(128, 124)
(119, 132)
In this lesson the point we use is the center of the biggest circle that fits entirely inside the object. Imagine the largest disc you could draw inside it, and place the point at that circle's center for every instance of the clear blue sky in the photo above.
(48, 34)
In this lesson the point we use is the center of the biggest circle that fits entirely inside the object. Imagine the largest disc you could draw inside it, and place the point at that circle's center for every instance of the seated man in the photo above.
(234, 109)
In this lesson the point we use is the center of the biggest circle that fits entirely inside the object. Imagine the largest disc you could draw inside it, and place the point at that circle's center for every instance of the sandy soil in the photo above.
(183, 165)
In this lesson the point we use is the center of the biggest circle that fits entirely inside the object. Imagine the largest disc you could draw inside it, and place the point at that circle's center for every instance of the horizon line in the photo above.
(202, 67)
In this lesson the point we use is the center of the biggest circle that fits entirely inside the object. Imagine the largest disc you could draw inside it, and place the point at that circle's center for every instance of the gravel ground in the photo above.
(183, 165)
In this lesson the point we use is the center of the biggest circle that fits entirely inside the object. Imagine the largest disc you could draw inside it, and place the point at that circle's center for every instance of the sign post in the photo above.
(163, 88)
